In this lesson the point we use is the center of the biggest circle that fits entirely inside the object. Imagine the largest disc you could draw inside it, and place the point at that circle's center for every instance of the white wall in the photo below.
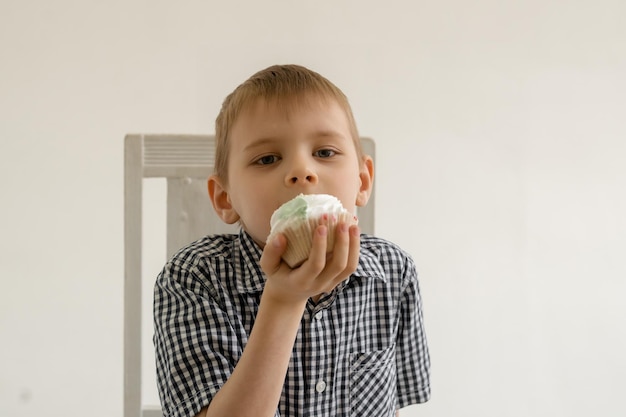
(501, 142)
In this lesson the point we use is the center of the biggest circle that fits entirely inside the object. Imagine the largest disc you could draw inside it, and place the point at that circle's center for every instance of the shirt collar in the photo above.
(250, 278)
(248, 273)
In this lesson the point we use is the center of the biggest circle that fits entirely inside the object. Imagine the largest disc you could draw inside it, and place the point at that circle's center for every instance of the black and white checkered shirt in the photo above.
(360, 351)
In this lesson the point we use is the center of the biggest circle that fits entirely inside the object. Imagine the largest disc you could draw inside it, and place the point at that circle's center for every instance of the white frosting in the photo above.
(304, 206)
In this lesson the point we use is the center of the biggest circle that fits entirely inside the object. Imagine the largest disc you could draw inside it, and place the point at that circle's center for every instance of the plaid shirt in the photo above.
(360, 351)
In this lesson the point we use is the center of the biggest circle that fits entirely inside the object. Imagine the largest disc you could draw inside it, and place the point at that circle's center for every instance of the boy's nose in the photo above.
(308, 179)
(300, 174)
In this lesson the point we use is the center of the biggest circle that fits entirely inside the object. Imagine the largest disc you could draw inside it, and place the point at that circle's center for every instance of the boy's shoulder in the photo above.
(208, 246)
(385, 253)
(201, 264)
(375, 245)
(206, 250)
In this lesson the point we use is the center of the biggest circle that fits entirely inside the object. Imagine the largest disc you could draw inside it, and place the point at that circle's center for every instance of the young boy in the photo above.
(238, 332)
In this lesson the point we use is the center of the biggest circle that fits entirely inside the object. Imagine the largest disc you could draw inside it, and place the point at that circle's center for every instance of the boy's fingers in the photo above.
(272, 253)
(352, 246)
(341, 249)
(344, 258)
(317, 257)
(355, 248)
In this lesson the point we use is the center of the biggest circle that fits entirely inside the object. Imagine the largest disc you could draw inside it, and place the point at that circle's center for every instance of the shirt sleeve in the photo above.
(196, 346)
(412, 356)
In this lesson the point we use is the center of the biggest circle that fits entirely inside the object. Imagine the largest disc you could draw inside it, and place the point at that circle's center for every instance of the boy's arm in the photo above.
(256, 382)
(255, 386)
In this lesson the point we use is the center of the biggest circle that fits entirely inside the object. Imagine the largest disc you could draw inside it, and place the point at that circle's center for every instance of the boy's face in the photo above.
(276, 154)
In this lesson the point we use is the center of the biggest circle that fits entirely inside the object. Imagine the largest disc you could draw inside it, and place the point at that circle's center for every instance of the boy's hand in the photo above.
(319, 274)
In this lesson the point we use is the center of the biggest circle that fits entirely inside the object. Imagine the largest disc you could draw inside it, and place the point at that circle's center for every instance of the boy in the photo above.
(238, 332)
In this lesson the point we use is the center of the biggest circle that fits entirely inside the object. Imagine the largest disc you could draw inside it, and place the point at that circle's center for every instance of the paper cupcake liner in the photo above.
(300, 237)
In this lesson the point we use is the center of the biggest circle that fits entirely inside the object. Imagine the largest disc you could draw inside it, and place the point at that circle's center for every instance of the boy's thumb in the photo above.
(272, 253)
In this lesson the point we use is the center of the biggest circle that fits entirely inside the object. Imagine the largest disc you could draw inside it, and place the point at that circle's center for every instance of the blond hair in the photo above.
(280, 84)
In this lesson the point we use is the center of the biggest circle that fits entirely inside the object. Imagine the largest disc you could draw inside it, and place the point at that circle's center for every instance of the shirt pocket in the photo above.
(373, 383)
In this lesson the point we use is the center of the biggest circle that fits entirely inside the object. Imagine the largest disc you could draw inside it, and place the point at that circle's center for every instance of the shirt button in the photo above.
(319, 315)
(320, 386)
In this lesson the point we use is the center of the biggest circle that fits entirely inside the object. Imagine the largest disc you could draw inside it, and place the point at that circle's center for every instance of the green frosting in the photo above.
(296, 207)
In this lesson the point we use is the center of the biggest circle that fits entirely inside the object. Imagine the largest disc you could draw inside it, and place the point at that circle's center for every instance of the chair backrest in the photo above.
(185, 161)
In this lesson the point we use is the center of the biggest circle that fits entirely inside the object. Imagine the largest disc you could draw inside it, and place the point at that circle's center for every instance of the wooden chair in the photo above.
(185, 161)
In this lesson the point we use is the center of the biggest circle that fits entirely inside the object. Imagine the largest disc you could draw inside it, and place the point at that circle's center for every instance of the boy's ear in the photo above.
(221, 201)
(366, 176)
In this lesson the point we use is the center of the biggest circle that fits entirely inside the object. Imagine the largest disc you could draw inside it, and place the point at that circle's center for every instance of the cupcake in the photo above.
(298, 218)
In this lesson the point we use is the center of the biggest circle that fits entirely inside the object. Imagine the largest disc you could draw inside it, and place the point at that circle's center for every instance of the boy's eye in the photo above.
(325, 153)
(267, 160)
